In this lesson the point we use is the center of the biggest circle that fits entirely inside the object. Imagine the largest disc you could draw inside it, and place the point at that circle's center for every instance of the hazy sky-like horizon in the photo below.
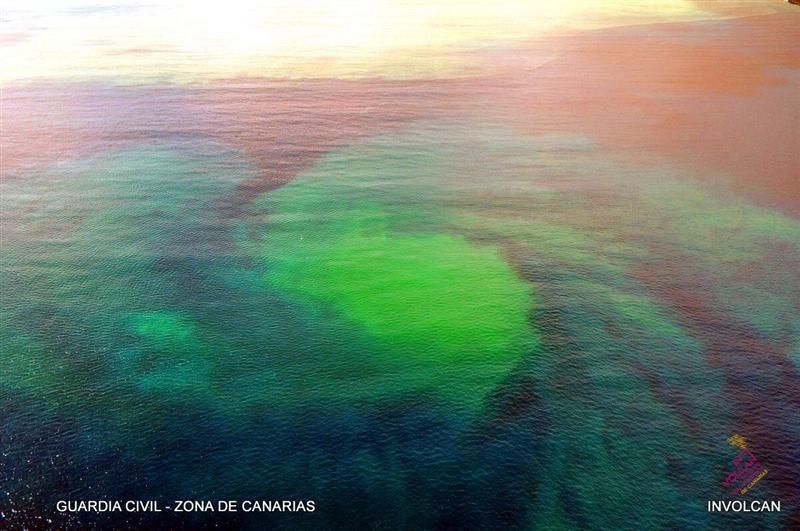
(195, 41)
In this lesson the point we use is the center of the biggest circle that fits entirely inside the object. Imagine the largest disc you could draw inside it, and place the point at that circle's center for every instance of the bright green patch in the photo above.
(444, 314)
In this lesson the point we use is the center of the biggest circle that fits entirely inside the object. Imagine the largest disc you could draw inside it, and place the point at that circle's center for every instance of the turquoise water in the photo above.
(450, 325)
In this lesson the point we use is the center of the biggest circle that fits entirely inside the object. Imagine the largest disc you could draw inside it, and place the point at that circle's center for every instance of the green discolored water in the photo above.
(445, 314)
(531, 323)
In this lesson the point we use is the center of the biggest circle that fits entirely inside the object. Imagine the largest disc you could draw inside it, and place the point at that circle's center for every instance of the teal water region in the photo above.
(450, 326)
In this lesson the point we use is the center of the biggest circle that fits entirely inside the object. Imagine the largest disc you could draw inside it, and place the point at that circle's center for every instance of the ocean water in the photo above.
(421, 304)
(404, 333)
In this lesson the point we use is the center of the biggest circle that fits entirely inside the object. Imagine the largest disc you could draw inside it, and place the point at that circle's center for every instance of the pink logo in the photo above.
(747, 470)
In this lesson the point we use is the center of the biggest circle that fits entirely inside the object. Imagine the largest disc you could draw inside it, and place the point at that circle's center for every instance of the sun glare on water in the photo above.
(186, 41)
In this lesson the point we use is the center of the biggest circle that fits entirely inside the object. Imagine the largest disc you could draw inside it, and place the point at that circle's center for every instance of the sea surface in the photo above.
(543, 295)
